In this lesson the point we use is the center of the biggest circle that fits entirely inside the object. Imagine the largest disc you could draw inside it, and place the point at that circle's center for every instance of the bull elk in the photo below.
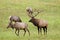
(41, 24)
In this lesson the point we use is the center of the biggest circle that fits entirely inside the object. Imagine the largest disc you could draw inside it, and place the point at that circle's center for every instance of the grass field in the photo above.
(18, 7)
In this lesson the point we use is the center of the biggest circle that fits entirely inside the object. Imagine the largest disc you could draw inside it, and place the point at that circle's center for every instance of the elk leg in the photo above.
(24, 32)
(38, 30)
(28, 31)
(44, 30)
(18, 33)
(41, 30)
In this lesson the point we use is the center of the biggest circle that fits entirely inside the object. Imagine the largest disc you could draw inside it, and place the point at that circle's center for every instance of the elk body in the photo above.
(41, 24)
(19, 26)
(15, 19)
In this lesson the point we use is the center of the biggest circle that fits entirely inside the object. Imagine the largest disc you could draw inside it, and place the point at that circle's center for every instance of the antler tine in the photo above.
(36, 14)
(38, 11)
(30, 15)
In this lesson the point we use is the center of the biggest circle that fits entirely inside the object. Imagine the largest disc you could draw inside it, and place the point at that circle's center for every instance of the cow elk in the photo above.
(18, 26)
(15, 19)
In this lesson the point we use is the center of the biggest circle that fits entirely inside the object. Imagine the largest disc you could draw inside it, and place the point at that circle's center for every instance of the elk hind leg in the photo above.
(38, 30)
(45, 30)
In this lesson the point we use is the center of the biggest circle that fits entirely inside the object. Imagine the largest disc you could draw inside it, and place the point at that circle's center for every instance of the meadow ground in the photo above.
(18, 7)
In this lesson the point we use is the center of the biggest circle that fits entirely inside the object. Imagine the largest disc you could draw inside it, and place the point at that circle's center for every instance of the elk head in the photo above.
(10, 25)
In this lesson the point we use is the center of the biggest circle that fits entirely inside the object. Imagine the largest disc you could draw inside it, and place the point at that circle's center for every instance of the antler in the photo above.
(30, 15)
(30, 12)
(37, 11)
(36, 14)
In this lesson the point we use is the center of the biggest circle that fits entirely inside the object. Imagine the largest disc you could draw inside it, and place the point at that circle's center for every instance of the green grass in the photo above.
(18, 7)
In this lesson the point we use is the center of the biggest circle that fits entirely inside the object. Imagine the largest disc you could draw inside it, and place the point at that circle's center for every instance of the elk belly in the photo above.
(42, 23)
